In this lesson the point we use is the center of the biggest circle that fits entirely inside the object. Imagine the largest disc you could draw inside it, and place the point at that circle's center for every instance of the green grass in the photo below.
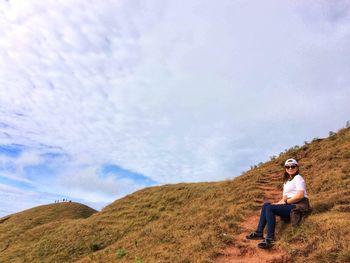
(191, 222)
(121, 253)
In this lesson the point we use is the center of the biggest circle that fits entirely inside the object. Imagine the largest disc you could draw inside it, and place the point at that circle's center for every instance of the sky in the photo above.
(100, 99)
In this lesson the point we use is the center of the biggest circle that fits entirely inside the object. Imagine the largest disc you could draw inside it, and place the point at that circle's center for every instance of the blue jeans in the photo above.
(268, 216)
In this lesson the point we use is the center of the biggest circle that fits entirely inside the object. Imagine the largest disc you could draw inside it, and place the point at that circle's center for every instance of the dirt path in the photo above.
(246, 251)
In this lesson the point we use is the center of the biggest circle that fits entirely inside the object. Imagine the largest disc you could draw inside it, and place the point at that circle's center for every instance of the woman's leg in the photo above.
(271, 212)
(262, 220)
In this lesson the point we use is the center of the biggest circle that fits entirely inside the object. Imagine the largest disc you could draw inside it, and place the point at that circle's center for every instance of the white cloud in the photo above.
(14, 199)
(176, 91)
(15, 177)
(88, 179)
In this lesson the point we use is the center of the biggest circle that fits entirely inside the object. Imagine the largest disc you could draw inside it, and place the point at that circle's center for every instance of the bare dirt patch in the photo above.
(246, 251)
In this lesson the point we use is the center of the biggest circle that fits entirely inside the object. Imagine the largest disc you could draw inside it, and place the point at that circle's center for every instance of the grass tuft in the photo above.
(120, 253)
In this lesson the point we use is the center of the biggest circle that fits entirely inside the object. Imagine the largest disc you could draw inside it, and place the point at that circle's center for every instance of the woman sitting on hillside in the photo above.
(294, 195)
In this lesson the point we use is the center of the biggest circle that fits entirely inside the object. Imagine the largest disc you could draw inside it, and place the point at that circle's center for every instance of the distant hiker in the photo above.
(293, 206)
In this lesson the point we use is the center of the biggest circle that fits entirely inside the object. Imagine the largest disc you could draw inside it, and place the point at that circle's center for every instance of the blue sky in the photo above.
(100, 99)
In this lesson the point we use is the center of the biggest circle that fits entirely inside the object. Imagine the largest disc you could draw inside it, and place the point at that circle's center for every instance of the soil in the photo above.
(247, 251)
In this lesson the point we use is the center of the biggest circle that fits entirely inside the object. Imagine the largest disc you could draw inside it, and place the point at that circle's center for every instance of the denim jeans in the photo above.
(268, 216)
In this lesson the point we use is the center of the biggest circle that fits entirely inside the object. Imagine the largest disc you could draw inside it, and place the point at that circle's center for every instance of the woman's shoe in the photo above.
(255, 236)
(266, 244)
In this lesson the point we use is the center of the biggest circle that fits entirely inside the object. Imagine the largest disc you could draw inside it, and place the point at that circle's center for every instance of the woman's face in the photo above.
(291, 169)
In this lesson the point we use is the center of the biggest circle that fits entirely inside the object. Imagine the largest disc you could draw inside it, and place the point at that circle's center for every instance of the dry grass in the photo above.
(193, 222)
(171, 223)
(17, 231)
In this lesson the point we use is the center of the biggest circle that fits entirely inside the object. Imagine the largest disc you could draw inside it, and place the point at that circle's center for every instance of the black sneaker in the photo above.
(255, 236)
(266, 244)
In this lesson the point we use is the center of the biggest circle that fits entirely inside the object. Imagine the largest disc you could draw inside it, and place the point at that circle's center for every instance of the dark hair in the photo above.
(286, 175)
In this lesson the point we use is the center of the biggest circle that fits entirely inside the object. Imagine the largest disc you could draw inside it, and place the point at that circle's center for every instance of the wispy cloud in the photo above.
(163, 91)
(14, 197)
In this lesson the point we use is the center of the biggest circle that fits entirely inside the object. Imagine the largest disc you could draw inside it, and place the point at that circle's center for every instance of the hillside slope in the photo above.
(194, 222)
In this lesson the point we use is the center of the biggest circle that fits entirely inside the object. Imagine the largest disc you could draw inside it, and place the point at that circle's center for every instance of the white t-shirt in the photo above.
(291, 187)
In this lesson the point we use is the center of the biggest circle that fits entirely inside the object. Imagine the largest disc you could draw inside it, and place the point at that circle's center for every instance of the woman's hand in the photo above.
(297, 197)
(280, 202)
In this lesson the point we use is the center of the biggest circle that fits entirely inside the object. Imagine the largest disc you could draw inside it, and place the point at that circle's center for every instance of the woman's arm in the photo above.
(282, 201)
(296, 198)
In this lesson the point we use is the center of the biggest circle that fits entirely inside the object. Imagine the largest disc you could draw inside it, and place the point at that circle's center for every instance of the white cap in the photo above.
(291, 161)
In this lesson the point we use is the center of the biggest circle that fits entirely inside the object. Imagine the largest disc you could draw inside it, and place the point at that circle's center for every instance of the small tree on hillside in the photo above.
(347, 124)
(331, 133)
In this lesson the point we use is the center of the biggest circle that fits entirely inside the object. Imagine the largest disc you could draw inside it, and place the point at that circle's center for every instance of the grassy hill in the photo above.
(192, 222)
(17, 230)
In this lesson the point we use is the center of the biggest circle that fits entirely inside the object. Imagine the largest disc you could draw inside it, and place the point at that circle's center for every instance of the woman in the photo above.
(294, 191)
